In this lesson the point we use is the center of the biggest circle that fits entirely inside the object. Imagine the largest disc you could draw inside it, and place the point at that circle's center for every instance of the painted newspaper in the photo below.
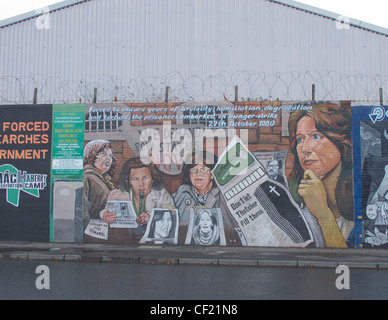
(126, 217)
(263, 208)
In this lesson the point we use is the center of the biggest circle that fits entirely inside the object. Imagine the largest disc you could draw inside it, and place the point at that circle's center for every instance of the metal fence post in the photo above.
(313, 92)
(167, 92)
(35, 99)
(95, 96)
(381, 97)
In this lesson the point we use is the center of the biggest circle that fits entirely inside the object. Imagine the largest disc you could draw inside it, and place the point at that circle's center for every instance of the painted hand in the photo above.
(313, 192)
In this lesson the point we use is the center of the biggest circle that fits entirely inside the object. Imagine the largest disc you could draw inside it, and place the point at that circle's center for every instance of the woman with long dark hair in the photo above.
(141, 183)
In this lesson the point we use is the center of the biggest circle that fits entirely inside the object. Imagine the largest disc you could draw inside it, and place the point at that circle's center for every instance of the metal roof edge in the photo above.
(39, 11)
(289, 3)
(332, 15)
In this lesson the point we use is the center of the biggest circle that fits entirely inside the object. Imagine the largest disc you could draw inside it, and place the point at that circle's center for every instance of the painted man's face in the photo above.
(273, 168)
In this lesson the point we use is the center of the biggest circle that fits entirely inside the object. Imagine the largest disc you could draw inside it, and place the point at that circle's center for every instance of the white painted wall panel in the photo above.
(201, 49)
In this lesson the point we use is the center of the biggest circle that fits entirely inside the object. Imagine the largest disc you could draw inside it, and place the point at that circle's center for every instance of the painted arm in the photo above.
(313, 192)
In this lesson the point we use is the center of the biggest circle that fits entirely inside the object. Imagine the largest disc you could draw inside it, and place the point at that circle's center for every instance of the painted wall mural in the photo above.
(269, 173)
(371, 179)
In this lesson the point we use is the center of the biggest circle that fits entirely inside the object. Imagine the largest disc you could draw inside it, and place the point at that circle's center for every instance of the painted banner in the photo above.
(25, 154)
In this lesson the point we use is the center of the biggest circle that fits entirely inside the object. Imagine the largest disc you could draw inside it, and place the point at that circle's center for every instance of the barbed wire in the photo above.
(243, 85)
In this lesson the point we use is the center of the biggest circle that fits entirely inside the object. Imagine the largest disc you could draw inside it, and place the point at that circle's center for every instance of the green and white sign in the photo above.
(68, 139)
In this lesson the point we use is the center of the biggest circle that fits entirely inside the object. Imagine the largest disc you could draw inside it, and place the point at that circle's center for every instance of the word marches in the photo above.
(14, 181)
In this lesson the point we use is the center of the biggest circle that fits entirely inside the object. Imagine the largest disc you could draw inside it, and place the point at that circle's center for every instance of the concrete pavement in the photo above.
(196, 255)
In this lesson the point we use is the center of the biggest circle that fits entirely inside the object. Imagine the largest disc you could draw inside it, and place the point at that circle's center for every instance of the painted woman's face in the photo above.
(104, 160)
(141, 180)
(163, 226)
(315, 151)
(201, 177)
(205, 223)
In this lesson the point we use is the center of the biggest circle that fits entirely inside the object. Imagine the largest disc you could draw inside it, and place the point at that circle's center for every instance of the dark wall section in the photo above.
(25, 153)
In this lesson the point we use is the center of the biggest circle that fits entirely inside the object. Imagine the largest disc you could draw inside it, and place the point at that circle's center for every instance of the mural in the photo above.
(243, 174)
(268, 173)
(371, 179)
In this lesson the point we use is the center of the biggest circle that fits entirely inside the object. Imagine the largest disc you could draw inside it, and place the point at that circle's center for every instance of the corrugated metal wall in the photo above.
(131, 50)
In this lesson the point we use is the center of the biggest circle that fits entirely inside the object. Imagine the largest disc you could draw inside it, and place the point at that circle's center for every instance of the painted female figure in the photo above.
(141, 183)
(99, 166)
(322, 178)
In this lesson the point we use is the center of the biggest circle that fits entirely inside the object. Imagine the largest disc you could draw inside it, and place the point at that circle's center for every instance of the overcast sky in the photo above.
(371, 11)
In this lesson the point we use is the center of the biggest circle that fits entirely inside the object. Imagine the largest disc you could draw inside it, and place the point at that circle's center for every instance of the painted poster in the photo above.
(206, 228)
(370, 133)
(25, 152)
(158, 155)
(162, 227)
